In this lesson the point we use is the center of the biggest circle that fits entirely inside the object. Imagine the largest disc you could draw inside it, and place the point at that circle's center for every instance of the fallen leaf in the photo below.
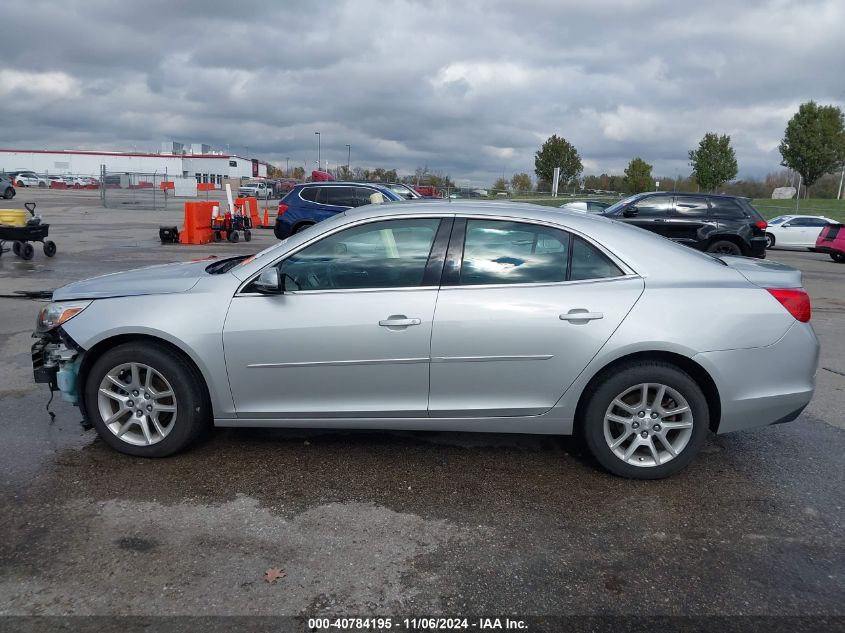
(272, 575)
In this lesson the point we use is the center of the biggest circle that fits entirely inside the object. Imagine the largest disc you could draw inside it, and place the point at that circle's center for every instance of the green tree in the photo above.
(521, 182)
(714, 162)
(500, 185)
(814, 141)
(557, 152)
(638, 176)
(298, 173)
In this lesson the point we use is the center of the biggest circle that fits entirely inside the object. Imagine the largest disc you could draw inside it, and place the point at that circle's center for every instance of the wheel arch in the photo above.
(97, 350)
(684, 363)
(729, 237)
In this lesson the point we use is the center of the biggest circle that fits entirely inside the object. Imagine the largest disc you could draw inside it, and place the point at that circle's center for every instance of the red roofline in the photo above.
(69, 152)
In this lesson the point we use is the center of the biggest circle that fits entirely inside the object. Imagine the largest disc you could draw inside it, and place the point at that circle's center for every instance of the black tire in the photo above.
(724, 247)
(216, 236)
(49, 248)
(193, 410)
(247, 235)
(16, 247)
(9, 193)
(839, 258)
(301, 227)
(614, 383)
(42, 185)
(233, 237)
(27, 251)
(770, 240)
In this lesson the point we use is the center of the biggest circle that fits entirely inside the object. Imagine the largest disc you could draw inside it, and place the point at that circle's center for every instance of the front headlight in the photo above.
(54, 314)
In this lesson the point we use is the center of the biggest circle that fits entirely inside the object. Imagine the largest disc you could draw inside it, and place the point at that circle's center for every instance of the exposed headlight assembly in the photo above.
(54, 314)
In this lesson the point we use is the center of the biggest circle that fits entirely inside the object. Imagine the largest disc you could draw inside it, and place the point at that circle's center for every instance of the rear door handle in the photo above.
(581, 315)
(398, 320)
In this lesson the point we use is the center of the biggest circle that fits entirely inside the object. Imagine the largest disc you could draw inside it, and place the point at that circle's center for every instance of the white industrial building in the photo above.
(199, 162)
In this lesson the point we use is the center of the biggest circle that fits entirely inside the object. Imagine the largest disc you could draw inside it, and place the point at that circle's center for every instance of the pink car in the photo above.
(832, 241)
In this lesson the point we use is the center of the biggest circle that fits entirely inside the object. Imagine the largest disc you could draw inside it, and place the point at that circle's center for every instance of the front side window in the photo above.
(498, 252)
(386, 254)
(653, 207)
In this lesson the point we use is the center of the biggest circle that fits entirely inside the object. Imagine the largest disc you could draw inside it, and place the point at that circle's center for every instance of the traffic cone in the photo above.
(266, 222)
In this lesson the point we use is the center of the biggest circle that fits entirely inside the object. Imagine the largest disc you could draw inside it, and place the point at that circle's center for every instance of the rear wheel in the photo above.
(770, 240)
(146, 400)
(26, 251)
(216, 236)
(301, 227)
(646, 420)
(839, 258)
(724, 247)
(16, 247)
(42, 185)
(247, 235)
(9, 193)
(49, 248)
(233, 237)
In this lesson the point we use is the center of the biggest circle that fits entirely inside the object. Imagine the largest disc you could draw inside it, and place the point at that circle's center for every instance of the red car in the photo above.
(832, 241)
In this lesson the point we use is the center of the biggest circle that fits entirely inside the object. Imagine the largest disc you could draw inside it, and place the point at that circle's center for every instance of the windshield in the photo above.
(614, 208)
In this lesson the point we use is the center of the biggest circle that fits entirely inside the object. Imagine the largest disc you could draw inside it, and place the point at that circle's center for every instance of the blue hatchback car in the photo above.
(311, 202)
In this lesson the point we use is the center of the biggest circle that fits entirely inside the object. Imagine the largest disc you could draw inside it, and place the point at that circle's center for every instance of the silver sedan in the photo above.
(462, 316)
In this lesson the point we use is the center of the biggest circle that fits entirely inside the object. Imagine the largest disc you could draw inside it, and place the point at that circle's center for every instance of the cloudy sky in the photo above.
(470, 88)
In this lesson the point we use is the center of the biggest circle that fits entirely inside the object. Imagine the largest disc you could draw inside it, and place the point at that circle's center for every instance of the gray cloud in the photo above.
(471, 89)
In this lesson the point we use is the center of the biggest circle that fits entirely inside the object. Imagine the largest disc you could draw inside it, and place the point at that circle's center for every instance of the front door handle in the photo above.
(398, 320)
(579, 314)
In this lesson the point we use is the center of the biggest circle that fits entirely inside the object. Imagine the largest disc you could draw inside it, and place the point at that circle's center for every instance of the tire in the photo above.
(839, 258)
(27, 251)
(16, 247)
(724, 247)
(233, 237)
(625, 384)
(216, 236)
(301, 227)
(180, 427)
(42, 185)
(49, 248)
(247, 235)
(770, 240)
(9, 193)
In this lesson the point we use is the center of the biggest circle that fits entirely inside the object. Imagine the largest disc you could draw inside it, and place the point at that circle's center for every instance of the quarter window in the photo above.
(387, 254)
(590, 263)
(726, 208)
(309, 193)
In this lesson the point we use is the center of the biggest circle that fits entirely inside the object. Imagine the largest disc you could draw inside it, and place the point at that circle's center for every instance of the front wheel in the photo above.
(839, 258)
(26, 251)
(724, 247)
(770, 240)
(247, 235)
(9, 193)
(49, 248)
(146, 400)
(646, 420)
(233, 237)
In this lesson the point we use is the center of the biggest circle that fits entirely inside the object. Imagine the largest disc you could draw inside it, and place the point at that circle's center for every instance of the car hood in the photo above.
(152, 280)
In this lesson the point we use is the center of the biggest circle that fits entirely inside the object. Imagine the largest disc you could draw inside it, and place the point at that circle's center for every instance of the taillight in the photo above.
(795, 300)
(282, 208)
(762, 224)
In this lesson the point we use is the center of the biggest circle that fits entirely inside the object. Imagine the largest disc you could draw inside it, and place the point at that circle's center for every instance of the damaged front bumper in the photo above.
(55, 361)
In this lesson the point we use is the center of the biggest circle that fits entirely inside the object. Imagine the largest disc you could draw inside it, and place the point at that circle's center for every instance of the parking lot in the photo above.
(378, 523)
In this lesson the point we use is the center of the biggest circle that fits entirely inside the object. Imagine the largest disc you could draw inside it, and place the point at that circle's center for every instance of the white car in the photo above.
(30, 179)
(586, 206)
(795, 231)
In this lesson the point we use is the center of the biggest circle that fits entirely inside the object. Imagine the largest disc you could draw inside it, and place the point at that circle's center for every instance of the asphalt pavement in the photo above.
(380, 523)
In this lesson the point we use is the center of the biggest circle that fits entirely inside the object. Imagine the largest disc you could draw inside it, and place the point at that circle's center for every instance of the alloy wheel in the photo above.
(137, 404)
(648, 424)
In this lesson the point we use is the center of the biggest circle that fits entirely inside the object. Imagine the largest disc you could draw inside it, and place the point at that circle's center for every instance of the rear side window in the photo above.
(500, 252)
(727, 208)
(588, 262)
(691, 206)
(340, 196)
(309, 193)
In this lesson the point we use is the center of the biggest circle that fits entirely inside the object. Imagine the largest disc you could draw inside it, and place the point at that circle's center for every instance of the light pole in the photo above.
(319, 156)
(287, 167)
(348, 158)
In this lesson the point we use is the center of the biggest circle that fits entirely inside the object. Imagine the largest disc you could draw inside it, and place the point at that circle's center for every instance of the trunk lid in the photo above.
(763, 273)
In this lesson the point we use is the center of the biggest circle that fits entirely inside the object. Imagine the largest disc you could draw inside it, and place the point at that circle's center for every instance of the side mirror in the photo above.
(630, 212)
(269, 281)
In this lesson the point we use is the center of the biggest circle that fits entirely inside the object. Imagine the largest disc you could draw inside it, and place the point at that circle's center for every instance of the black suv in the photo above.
(727, 225)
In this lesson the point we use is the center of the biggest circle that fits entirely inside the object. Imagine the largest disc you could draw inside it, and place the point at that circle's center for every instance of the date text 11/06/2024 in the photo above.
(416, 624)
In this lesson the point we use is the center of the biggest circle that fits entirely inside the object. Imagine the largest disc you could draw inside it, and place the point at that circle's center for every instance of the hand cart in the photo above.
(21, 236)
